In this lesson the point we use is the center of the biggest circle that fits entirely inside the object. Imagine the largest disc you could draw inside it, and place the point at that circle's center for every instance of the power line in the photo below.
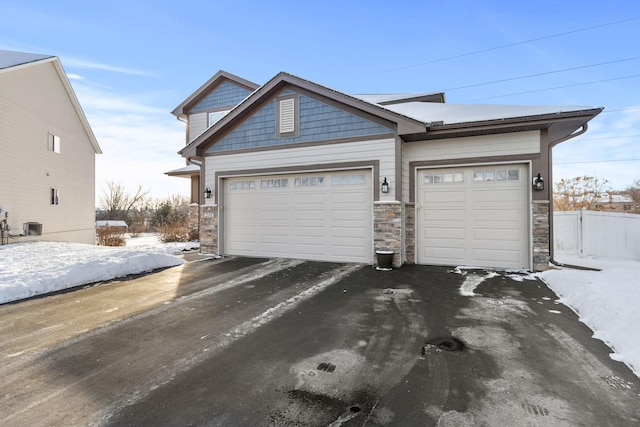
(511, 44)
(540, 74)
(609, 137)
(558, 87)
(620, 109)
(597, 161)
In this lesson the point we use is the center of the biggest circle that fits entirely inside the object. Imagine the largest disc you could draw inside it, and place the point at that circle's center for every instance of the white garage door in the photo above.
(320, 216)
(473, 216)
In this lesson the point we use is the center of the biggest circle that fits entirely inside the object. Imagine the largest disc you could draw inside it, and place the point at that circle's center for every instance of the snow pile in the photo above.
(607, 302)
(34, 268)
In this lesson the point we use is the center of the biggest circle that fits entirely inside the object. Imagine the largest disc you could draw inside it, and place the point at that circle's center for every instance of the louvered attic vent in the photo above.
(287, 116)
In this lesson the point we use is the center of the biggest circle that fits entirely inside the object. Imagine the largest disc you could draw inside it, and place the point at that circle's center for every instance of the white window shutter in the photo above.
(287, 116)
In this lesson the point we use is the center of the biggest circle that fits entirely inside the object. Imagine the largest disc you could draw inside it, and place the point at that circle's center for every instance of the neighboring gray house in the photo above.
(295, 169)
(47, 165)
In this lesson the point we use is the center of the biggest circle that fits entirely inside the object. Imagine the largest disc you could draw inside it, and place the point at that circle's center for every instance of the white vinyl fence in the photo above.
(597, 234)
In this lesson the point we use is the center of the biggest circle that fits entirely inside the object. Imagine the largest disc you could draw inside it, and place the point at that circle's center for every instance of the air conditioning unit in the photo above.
(32, 229)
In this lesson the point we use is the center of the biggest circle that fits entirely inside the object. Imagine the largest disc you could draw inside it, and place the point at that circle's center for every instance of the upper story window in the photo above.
(54, 143)
(287, 116)
(54, 196)
(215, 117)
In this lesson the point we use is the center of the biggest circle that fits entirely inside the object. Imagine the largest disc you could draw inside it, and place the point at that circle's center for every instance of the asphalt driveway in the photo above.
(256, 342)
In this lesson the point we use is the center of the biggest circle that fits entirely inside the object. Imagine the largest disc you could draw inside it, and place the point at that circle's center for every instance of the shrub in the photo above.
(110, 236)
(174, 232)
(136, 230)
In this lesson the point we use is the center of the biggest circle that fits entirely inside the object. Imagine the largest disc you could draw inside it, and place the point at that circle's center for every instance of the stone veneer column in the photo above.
(541, 234)
(209, 229)
(387, 229)
(410, 232)
(194, 220)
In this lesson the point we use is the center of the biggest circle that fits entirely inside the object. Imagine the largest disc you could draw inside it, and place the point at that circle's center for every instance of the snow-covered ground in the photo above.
(607, 301)
(34, 268)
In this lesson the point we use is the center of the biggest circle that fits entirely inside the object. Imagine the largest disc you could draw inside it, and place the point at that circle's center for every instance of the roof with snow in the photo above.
(397, 98)
(185, 171)
(614, 198)
(111, 223)
(428, 112)
(418, 116)
(10, 58)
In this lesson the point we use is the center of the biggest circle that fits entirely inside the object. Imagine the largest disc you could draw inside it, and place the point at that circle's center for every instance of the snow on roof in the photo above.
(111, 223)
(186, 170)
(614, 198)
(392, 98)
(10, 58)
(465, 113)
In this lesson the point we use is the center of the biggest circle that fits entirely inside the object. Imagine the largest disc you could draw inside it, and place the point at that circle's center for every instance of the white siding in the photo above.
(460, 148)
(382, 150)
(34, 103)
(197, 125)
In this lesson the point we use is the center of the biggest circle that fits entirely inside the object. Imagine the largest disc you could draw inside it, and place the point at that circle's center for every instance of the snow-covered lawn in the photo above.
(34, 268)
(607, 301)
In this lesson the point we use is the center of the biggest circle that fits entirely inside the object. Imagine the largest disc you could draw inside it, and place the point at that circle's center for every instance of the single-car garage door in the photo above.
(323, 216)
(475, 216)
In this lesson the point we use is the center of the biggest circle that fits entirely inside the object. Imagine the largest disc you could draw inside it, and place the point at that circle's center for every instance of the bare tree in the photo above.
(634, 192)
(577, 193)
(117, 204)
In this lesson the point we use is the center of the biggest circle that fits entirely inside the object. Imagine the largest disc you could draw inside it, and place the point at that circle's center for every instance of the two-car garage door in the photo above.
(476, 216)
(322, 216)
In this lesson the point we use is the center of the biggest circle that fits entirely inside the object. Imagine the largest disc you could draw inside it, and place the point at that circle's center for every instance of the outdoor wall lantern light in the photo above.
(538, 183)
(385, 186)
(207, 193)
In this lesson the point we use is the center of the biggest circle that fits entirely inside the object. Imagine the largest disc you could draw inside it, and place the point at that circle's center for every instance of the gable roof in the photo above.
(277, 84)
(214, 81)
(12, 61)
(417, 117)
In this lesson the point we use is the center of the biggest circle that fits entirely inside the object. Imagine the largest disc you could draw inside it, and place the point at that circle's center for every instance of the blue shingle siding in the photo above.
(225, 95)
(318, 122)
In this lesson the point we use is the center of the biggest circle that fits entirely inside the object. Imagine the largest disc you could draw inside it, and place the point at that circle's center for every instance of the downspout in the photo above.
(551, 239)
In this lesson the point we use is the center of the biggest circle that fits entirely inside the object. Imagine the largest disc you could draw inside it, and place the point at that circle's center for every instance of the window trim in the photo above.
(209, 113)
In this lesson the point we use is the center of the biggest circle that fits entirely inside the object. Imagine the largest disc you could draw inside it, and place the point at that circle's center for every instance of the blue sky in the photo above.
(132, 62)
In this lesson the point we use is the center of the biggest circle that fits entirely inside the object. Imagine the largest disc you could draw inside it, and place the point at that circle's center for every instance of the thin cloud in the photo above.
(73, 62)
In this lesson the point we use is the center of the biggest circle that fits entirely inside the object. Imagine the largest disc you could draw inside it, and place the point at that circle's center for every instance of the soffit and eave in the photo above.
(561, 124)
